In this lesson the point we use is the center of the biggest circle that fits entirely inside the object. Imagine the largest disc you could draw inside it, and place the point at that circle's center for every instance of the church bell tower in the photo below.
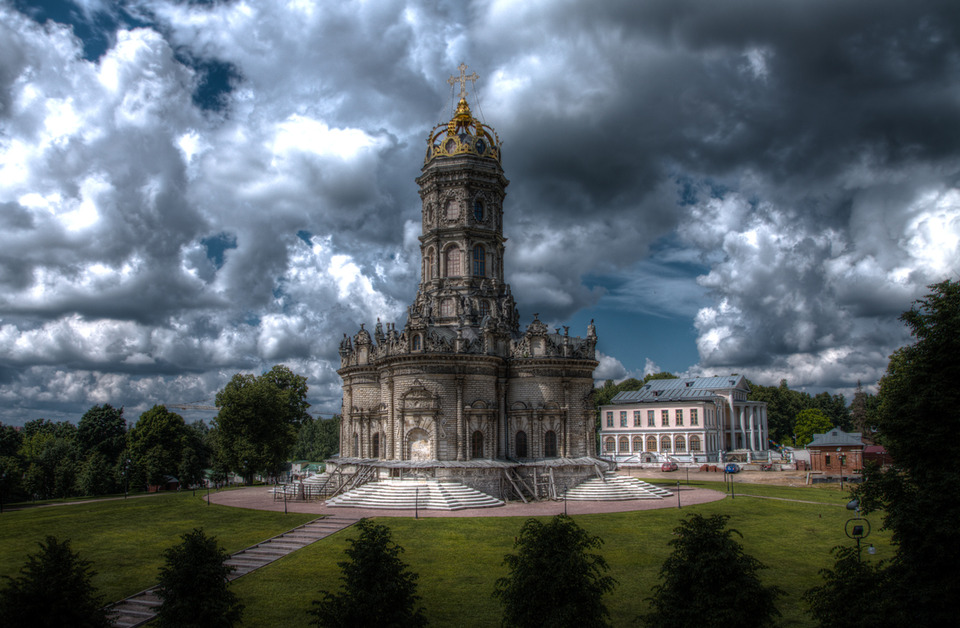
(462, 188)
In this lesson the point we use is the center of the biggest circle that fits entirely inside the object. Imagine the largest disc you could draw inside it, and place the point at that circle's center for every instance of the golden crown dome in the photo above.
(463, 134)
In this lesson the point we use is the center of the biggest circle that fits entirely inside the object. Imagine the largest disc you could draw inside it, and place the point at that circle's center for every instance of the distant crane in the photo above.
(191, 406)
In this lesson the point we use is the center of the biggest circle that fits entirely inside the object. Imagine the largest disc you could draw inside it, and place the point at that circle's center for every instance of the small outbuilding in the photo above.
(837, 453)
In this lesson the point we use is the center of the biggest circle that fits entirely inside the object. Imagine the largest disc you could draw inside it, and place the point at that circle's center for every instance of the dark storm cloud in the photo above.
(231, 186)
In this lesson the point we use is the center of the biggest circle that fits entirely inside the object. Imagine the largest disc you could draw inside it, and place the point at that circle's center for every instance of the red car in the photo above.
(669, 466)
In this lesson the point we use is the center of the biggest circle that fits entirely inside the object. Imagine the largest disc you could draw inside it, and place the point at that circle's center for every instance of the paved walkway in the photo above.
(260, 498)
(142, 607)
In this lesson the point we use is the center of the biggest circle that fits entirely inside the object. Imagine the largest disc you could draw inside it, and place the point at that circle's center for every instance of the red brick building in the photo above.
(837, 453)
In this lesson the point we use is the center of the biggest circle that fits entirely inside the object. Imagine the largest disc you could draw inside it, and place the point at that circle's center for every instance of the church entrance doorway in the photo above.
(418, 445)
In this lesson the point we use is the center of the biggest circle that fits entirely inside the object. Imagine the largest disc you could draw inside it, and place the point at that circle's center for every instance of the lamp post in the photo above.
(126, 477)
(857, 528)
(3, 487)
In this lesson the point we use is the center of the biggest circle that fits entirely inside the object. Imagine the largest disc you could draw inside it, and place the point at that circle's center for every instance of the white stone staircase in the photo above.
(615, 487)
(410, 494)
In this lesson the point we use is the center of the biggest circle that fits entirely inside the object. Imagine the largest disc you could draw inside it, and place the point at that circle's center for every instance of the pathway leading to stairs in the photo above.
(141, 607)
(260, 498)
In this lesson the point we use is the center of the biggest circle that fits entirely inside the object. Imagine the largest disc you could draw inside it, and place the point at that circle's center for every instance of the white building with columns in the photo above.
(685, 420)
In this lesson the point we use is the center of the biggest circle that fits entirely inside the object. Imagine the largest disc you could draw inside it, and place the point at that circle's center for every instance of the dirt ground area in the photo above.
(782, 478)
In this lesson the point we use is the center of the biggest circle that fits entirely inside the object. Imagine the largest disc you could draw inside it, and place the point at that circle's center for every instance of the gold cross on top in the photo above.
(462, 79)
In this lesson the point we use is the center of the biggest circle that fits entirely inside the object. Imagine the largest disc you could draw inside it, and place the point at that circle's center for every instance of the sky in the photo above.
(189, 190)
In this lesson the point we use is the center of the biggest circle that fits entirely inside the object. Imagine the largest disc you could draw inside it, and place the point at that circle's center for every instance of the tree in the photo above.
(49, 455)
(102, 429)
(919, 422)
(809, 422)
(835, 408)
(554, 579)
(852, 594)
(863, 413)
(783, 406)
(53, 589)
(259, 418)
(195, 455)
(317, 439)
(156, 444)
(708, 581)
(193, 585)
(376, 587)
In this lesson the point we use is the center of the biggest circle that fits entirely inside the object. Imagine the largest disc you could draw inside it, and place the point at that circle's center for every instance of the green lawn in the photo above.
(458, 559)
(124, 538)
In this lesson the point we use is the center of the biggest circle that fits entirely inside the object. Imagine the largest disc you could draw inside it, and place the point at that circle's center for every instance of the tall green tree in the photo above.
(53, 589)
(50, 457)
(708, 580)
(809, 422)
(317, 439)
(919, 422)
(193, 587)
(377, 589)
(156, 444)
(554, 579)
(852, 594)
(195, 456)
(102, 429)
(783, 406)
(835, 408)
(863, 413)
(258, 420)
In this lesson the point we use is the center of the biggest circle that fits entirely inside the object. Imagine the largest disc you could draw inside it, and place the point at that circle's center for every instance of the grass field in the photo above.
(458, 559)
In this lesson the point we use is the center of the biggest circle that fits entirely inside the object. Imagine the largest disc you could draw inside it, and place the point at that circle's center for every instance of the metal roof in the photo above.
(836, 437)
(681, 389)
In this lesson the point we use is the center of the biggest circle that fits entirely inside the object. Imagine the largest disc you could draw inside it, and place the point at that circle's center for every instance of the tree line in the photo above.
(262, 423)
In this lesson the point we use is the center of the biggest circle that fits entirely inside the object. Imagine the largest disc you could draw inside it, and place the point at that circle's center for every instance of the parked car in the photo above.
(732, 467)
(669, 466)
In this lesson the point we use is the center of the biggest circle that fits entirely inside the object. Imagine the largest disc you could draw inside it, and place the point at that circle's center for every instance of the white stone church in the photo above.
(463, 390)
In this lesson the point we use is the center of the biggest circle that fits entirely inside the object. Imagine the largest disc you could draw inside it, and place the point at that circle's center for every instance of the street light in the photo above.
(126, 477)
(858, 528)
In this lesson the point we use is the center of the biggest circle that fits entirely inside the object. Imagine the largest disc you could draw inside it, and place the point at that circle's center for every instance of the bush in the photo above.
(194, 587)
(554, 580)
(708, 580)
(376, 590)
(54, 590)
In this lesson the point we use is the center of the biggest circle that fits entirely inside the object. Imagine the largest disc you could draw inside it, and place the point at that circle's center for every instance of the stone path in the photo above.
(142, 607)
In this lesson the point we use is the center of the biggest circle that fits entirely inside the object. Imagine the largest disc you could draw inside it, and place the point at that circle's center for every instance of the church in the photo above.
(464, 390)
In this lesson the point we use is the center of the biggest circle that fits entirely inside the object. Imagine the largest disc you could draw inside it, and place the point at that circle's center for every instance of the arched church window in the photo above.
(416, 342)
(479, 261)
(665, 443)
(638, 443)
(694, 443)
(453, 262)
(375, 441)
(681, 444)
(446, 307)
(428, 266)
(484, 308)
(521, 444)
(610, 445)
(624, 444)
(476, 445)
(651, 443)
(478, 210)
(452, 211)
(356, 445)
(550, 444)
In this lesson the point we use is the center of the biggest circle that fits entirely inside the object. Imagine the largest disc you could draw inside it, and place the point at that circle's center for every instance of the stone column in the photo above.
(502, 422)
(388, 445)
(461, 427)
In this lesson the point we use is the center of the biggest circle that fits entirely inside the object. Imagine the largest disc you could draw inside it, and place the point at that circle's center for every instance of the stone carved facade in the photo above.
(461, 381)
